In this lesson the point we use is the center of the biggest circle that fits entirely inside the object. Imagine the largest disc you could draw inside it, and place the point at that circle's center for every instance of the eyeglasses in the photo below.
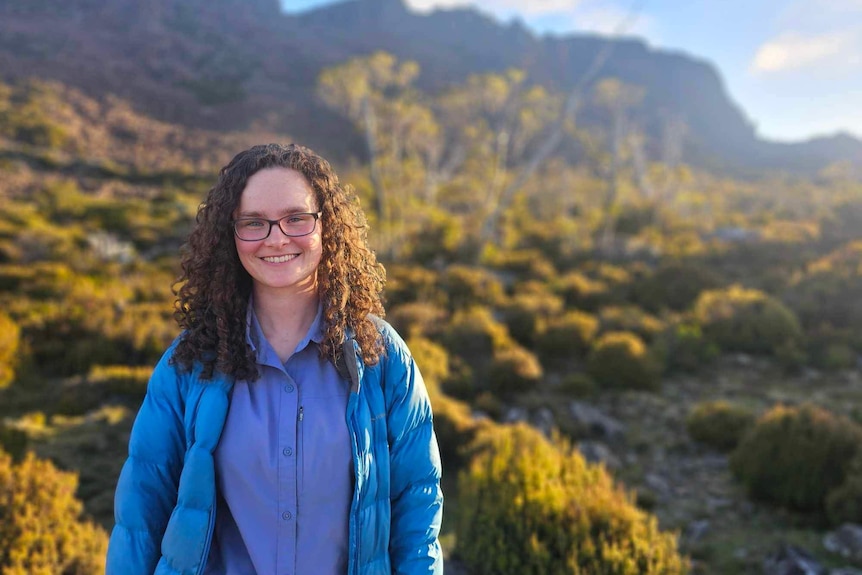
(293, 226)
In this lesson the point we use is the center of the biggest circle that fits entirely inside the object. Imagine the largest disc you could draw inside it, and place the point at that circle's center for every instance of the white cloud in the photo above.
(792, 51)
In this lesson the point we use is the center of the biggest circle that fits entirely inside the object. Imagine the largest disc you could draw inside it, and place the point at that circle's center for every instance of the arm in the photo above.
(417, 500)
(147, 488)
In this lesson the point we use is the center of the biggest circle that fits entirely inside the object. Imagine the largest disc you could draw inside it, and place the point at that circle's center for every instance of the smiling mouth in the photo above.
(280, 259)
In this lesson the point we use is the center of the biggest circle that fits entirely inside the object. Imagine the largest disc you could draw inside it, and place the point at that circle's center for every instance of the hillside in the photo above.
(227, 64)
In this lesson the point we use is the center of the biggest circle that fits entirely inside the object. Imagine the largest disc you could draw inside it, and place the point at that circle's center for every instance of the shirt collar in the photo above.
(257, 340)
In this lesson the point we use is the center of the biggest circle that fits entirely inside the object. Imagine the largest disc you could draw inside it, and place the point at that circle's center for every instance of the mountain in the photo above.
(231, 64)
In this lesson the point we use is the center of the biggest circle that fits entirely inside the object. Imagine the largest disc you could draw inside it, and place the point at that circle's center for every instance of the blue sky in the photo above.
(794, 66)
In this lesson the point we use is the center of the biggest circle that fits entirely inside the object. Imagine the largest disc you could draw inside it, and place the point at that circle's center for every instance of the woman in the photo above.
(287, 429)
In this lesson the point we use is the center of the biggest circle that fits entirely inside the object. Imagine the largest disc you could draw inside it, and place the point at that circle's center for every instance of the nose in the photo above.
(276, 236)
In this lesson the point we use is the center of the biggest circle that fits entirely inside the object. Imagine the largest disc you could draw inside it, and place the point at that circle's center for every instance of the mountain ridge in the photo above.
(231, 64)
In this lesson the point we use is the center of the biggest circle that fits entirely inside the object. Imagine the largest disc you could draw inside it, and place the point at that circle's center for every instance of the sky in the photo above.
(793, 66)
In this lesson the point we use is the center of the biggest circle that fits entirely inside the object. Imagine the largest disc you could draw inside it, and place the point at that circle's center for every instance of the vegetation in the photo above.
(41, 529)
(532, 506)
(797, 456)
(719, 424)
(521, 284)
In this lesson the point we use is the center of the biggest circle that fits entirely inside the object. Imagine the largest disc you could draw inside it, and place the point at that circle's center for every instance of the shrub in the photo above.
(475, 335)
(526, 315)
(438, 240)
(747, 320)
(719, 424)
(468, 286)
(577, 385)
(567, 336)
(630, 318)
(621, 360)
(674, 286)
(579, 290)
(42, 530)
(417, 319)
(514, 370)
(683, 347)
(9, 339)
(844, 503)
(794, 456)
(522, 265)
(406, 284)
(433, 363)
(13, 441)
(529, 506)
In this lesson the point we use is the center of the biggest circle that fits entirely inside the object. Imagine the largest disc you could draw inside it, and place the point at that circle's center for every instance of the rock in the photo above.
(845, 541)
(695, 530)
(598, 452)
(544, 421)
(792, 560)
(595, 422)
(515, 415)
(845, 571)
(658, 485)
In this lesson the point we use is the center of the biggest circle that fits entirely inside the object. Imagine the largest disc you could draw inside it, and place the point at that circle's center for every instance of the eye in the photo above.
(251, 224)
(296, 219)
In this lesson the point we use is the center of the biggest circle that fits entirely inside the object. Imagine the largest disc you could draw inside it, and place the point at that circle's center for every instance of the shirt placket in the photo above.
(288, 450)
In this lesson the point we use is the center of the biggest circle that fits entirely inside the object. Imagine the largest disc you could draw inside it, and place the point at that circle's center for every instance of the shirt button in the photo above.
(287, 451)
(286, 515)
(289, 388)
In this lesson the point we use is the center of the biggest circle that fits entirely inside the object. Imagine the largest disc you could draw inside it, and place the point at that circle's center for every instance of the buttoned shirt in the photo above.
(284, 467)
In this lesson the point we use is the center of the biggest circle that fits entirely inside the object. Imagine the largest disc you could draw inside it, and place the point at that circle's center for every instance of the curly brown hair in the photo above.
(214, 288)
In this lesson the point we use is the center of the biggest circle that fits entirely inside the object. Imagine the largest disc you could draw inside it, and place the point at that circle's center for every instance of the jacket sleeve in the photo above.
(417, 499)
(147, 488)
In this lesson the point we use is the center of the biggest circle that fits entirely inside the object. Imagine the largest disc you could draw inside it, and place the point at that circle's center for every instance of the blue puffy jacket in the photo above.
(165, 501)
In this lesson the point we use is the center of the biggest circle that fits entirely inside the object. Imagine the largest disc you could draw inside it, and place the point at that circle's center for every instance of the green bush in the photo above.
(13, 441)
(682, 347)
(629, 318)
(527, 314)
(531, 507)
(9, 355)
(438, 240)
(469, 286)
(417, 319)
(42, 530)
(405, 284)
(719, 424)
(794, 456)
(514, 370)
(580, 291)
(674, 286)
(522, 265)
(433, 363)
(747, 320)
(844, 503)
(622, 360)
(474, 334)
(567, 336)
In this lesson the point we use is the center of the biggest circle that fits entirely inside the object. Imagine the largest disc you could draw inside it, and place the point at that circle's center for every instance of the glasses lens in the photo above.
(251, 229)
(297, 224)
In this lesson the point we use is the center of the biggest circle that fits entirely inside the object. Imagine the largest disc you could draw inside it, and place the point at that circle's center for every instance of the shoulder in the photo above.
(393, 343)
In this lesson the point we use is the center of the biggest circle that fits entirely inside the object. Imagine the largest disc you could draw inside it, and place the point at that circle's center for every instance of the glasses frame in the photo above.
(315, 215)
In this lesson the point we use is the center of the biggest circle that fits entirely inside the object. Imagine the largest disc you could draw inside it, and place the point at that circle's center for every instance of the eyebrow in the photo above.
(282, 213)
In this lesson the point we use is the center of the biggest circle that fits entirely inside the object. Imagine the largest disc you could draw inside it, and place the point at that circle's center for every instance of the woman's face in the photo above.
(279, 263)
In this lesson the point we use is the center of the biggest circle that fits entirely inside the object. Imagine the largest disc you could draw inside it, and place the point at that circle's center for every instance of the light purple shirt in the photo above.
(284, 467)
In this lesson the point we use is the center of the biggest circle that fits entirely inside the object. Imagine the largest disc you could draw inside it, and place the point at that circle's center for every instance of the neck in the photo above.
(285, 317)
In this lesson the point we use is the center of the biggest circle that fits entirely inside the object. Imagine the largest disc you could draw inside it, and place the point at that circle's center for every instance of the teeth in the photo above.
(279, 259)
